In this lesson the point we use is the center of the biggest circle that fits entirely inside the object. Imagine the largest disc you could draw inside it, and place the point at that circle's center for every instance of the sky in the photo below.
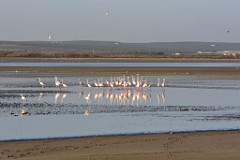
(128, 20)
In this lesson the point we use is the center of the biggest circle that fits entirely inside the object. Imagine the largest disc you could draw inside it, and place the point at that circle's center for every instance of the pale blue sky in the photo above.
(129, 20)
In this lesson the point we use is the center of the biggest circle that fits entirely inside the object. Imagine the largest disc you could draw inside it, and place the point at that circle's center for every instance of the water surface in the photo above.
(187, 103)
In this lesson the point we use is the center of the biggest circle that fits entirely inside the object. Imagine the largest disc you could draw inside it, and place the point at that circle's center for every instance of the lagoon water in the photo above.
(117, 64)
(187, 103)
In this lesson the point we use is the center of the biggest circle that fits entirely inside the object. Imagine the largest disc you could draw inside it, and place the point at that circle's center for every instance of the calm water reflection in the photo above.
(116, 64)
(187, 103)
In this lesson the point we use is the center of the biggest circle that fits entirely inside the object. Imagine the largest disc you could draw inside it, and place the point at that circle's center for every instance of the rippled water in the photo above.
(187, 103)
(117, 64)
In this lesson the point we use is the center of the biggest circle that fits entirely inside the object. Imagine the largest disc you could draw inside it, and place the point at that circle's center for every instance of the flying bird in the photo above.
(107, 13)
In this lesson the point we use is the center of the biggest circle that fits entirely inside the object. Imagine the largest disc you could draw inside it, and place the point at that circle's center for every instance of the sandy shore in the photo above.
(199, 145)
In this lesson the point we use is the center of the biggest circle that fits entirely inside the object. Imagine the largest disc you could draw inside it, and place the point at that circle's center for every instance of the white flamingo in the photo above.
(41, 83)
(89, 85)
(57, 83)
(150, 84)
(128, 81)
(144, 84)
(163, 83)
(95, 83)
(80, 82)
(158, 84)
(23, 98)
(64, 85)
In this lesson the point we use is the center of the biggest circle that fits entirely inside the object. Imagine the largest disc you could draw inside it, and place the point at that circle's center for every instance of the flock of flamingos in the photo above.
(120, 82)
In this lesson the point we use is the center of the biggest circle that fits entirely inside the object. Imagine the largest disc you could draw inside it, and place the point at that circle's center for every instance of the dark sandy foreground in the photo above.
(199, 145)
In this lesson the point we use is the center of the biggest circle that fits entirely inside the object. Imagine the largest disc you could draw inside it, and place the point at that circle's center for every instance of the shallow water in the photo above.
(187, 103)
(117, 64)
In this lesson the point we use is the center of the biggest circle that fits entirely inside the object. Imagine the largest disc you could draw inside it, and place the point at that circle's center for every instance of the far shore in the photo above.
(153, 59)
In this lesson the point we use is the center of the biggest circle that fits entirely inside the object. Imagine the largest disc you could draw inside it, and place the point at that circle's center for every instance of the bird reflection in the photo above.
(87, 112)
(81, 94)
(158, 99)
(63, 97)
(24, 111)
(163, 97)
(23, 98)
(41, 94)
(87, 97)
(56, 98)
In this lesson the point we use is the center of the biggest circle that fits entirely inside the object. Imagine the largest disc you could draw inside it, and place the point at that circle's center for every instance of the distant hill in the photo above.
(113, 46)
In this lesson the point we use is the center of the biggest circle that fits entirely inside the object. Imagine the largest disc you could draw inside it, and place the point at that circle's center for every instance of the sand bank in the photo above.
(199, 145)
(224, 71)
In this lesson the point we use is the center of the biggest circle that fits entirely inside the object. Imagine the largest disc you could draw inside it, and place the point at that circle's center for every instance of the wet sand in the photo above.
(180, 146)
(223, 71)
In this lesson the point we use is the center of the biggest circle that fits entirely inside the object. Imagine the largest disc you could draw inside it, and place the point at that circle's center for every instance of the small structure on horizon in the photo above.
(177, 54)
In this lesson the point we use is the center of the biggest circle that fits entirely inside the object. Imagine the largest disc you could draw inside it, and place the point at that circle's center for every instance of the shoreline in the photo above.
(174, 71)
(201, 145)
(120, 135)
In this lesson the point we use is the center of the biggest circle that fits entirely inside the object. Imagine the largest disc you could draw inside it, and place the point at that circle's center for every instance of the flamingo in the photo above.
(107, 83)
(158, 84)
(89, 85)
(163, 83)
(128, 82)
(41, 83)
(64, 85)
(57, 83)
(144, 84)
(23, 98)
(80, 82)
(100, 84)
(150, 84)
(133, 81)
(95, 83)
